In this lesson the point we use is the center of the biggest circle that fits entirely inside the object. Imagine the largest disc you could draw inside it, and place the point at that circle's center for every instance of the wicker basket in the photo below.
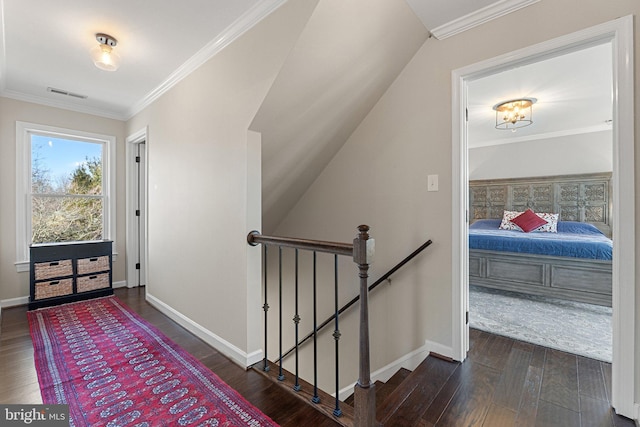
(90, 283)
(93, 265)
(54, 288)
(49, 270)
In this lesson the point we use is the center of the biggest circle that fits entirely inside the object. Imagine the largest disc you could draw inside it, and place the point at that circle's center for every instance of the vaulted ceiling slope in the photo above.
(346, 57)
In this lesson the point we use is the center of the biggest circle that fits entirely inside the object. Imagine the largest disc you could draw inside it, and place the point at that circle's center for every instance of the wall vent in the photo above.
(67, 93)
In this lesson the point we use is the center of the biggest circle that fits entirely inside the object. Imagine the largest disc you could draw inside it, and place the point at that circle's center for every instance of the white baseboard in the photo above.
(637, 417)
(13, 302)
(223, 346)
(409, 361)
(120, 284)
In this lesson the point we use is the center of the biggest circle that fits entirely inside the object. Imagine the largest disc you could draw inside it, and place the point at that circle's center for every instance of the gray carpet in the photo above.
(583, 329)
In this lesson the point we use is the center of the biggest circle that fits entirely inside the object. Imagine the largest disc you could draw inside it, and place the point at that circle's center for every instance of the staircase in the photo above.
(401, 401)
(403, 406)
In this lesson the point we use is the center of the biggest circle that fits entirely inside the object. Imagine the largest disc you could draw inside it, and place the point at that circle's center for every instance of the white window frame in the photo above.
(24, 131)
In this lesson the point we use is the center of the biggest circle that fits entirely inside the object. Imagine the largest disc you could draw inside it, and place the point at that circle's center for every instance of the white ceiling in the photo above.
(46, 44)
(573, 92)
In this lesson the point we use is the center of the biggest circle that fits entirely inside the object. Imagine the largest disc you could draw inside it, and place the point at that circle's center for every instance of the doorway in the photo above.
(560, 152)
(136, 177)
(619, 34)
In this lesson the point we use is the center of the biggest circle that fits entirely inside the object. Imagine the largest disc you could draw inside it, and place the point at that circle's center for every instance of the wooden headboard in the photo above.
(584, 198)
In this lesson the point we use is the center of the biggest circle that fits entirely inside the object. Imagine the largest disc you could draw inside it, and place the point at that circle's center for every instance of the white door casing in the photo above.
(619, 34)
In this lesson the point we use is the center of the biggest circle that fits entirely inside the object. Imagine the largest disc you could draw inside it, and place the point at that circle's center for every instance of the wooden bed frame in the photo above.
(584, 198)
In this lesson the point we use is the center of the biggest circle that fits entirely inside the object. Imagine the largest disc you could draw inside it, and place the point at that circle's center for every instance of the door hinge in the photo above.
(137, 212)
(466, 114)
(466, 318)
(137, 266)
(137, 159)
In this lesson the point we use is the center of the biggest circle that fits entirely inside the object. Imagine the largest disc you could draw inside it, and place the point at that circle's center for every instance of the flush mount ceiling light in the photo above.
(103, 55)
(514, 114)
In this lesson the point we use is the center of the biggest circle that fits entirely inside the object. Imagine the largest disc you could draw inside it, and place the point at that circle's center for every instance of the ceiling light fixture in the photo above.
(514, 114)
(103, 55)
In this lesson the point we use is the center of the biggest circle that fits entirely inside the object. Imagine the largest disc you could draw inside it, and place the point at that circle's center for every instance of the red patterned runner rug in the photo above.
(115, 369)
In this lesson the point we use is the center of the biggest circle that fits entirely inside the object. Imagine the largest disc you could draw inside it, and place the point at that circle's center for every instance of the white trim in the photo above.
(119, 284)
(409, 361)
(235, 30)
(141, 136)
(22, 266)
(223, 346)
(14, 302)
(23, 168)
(459, 216)
(619, 33)
(548, 135)
(624, 255)
(473, 19)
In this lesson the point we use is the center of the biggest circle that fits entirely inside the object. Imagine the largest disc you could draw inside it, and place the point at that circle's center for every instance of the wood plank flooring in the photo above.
(502, 383)
(505, 382)
(19, 383)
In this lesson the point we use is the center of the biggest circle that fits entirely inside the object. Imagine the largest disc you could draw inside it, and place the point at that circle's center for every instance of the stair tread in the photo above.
(351, 399)
(385, 389)
(407, 403)
(327, 402)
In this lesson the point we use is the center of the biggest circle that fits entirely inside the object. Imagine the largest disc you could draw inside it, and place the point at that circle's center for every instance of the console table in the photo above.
(68, 272)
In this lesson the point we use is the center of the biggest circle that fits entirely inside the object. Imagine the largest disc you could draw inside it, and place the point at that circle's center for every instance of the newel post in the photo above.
(364, 393)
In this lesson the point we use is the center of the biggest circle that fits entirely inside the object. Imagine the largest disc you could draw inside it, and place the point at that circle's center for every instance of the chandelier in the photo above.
(514, 114)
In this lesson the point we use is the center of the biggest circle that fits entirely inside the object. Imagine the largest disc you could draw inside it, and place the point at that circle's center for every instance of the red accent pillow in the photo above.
(528, 221)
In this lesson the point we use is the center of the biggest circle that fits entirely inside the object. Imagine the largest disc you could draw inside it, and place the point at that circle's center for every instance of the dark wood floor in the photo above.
(502, 383)
(505, 382)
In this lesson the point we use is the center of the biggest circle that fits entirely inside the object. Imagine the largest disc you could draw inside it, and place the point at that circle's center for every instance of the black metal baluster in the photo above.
(316, 398)
(336, 336)
(296, 320)
(265, 307)
(280, 375)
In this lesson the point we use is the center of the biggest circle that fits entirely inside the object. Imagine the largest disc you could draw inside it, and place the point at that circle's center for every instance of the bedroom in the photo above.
(559, 164)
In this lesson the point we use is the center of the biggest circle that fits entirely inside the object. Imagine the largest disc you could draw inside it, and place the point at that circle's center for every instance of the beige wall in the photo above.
(16, 285)
(380, 175)
(575, 154)
(199, 150)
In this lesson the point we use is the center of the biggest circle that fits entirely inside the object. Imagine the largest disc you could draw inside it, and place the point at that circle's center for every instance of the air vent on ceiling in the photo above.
(67, 93)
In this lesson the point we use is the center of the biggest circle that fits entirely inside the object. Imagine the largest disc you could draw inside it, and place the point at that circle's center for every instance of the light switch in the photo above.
(432, 183)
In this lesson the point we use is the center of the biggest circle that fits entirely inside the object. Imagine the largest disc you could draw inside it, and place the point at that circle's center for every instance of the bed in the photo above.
(573, 264)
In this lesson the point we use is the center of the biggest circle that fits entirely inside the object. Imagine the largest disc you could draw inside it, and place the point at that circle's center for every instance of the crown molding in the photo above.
(548, 135)
(34, 99)
(486, 14)
(235, 30)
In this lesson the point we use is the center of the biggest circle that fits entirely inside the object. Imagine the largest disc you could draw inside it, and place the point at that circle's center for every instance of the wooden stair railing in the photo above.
(357, 298)
(361, 250)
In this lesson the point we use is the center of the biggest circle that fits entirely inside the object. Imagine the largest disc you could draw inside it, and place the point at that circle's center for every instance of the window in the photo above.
(65, 187)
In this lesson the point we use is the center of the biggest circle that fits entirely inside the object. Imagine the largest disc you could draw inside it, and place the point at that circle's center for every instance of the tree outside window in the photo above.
(67, 200)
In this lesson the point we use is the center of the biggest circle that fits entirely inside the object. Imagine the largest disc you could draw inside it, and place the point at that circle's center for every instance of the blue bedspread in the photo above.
(573, 239)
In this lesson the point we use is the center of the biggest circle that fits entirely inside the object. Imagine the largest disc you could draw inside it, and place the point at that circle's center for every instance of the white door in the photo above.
(136, 210)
